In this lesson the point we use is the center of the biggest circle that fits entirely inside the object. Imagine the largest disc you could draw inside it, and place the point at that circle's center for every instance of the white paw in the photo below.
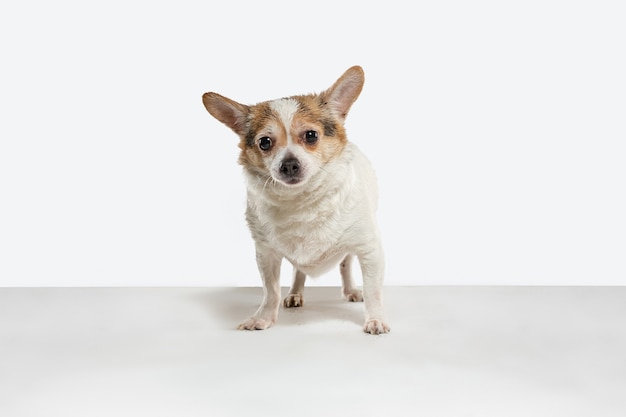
(255, 323)
(375, 326)
(293, 300)
(353, 296)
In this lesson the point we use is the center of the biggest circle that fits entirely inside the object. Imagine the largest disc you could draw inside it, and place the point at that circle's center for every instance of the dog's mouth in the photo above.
(291, 181)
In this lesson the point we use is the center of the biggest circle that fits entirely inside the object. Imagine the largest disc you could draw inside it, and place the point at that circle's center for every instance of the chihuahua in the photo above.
(311, 195)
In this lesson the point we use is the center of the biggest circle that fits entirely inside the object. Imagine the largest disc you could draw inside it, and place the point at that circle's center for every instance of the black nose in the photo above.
(290, 167)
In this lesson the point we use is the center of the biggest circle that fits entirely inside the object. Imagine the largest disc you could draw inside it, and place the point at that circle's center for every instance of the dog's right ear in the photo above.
(227, 111)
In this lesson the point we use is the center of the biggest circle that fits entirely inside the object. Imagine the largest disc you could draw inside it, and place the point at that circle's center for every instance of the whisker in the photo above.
(269, 178)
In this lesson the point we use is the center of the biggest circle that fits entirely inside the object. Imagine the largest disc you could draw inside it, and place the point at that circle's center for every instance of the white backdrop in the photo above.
(497, 129)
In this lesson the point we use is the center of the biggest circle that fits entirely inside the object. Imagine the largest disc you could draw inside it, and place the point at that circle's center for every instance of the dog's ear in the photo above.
(227, 111)
(345, 91)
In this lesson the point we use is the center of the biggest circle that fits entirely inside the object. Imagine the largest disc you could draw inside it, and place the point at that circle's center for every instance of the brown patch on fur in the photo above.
(262, 121)
(258, 117)
(315, 107)
(314, 114)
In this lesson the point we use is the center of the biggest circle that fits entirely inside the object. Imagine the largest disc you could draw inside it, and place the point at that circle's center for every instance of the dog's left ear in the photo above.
(345, 91)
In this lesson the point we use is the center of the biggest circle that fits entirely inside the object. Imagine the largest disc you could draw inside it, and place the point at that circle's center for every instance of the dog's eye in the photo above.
(265, 143)
(310, 136)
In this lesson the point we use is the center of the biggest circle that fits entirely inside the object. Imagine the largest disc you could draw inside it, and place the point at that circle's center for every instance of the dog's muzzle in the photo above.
(290, 170)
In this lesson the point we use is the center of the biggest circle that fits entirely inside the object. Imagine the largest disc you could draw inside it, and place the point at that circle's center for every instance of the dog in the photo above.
(311, 196)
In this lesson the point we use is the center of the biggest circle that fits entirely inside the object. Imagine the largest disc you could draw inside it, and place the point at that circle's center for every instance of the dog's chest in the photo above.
(309, 234)
(308, 231)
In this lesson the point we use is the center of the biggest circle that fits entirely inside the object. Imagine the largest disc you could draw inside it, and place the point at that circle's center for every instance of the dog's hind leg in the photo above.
(295, 298)
(348, 288)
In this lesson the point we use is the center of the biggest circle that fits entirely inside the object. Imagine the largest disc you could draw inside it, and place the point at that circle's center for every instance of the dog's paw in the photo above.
(354, 296)
(375, 326)
(293, 300)
(255, 323)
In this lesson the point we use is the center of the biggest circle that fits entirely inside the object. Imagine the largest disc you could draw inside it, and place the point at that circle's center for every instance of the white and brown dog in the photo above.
(311, 195)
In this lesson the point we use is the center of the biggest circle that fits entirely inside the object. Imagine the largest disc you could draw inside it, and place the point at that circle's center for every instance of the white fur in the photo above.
(285, 108)
(316, 226)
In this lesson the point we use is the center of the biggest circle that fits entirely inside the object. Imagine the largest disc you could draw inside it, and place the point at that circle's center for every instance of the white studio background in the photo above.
(498, 131)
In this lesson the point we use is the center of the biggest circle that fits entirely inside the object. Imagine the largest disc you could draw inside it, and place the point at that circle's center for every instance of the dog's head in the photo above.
(291, 138)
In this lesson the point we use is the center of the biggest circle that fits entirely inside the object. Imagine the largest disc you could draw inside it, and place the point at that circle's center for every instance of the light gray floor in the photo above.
(453, 351)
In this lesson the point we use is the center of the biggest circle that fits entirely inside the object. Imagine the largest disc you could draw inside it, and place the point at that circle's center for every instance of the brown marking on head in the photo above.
(311, 116)
(262, 122)
(323, 113)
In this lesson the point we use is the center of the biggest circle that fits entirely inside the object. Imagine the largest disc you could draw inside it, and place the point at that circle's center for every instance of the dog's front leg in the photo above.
(268, 262)
(373, 269)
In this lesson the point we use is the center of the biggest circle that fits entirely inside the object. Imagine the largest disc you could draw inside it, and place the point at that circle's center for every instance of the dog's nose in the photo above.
(290, 167)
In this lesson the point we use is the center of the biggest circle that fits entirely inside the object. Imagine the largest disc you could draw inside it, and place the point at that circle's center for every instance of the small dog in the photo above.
(311, 195)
